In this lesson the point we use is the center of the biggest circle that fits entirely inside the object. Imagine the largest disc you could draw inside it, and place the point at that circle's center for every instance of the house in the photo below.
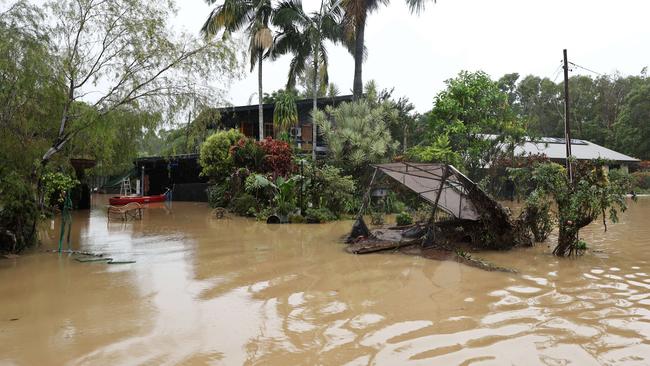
(246, 120)
(181, 173)
(554, 148)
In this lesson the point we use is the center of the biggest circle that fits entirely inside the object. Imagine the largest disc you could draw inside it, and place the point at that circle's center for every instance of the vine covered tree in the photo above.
(254, 16)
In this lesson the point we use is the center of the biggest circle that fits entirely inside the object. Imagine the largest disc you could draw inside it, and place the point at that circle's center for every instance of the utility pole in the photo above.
(567, 126)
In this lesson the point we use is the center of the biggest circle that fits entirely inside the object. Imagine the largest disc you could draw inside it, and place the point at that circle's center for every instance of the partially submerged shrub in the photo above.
(377, 218)
(403, 219)
(330, 189)
(244, 205)
(321, 214)
(219, 195)
(296, 219)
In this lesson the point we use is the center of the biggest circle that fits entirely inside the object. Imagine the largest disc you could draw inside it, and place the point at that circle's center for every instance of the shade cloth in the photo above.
(426, 179)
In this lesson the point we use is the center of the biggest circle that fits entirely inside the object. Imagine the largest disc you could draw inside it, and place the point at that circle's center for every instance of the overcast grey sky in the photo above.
(416, 54)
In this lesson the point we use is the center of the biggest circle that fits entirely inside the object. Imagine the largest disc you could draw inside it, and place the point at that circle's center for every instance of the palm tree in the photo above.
(356, 13)
(254, 16)
(303, 35)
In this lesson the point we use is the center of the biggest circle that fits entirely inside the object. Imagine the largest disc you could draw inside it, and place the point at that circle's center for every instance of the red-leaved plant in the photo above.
(279, 157)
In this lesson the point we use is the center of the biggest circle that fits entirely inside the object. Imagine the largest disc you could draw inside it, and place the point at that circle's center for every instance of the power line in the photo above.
(586, 69)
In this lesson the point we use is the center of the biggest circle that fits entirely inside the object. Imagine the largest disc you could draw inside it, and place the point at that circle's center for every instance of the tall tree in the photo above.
(356, 13)
(304, 35)
(254, 16)
(128, 47)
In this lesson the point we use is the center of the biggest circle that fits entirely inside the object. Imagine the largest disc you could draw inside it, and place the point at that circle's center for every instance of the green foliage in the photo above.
(632, 130)
(377, 218)
(19, 212)
(438, 150)
(297, 219)
(244, 205)
(641, 181)
(581, 245)
(471, 106)
(592, 193)
(357, 134)
(219, 195)
(321, 214)
(55, 187)
(303, 35)
(215, 158)
(403, 219)
(282, 190)
(329, 188)
(285, 113)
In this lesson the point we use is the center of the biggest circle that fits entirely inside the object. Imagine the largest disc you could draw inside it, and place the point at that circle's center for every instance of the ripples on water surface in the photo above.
(231, 292)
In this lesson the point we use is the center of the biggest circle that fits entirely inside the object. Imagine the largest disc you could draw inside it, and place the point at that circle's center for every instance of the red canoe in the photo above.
(123, 200)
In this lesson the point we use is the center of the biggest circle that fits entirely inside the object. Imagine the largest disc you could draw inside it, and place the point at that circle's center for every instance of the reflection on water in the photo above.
(235, 291)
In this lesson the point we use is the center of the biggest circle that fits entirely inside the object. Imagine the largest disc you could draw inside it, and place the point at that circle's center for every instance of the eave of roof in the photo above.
(300, 102)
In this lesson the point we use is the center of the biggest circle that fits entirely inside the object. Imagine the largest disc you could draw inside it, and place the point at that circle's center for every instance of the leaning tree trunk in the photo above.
(260, 107)
(568, 236)
(357, 86)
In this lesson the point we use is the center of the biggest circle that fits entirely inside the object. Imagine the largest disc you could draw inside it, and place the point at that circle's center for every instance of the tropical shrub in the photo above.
(283, 191)
(285, 113)
(247, 153)
(321, 214)
(215, 159)
(278, 158)
(403, 218)
(244, 205)
(219, 195)
(357, 134)
(332, 190)
(641, 180)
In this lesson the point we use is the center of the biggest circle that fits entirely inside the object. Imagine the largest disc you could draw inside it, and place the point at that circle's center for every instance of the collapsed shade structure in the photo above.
(441, 185)
(483, 219)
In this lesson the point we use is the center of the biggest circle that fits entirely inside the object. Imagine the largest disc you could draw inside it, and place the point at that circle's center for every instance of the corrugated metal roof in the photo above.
(581, 149)
(554, 148)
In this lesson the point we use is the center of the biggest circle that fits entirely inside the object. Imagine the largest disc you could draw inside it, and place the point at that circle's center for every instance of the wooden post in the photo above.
(432, 221)
(567, 126)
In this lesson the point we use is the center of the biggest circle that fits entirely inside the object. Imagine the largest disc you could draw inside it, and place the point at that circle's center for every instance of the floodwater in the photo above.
(236, 291)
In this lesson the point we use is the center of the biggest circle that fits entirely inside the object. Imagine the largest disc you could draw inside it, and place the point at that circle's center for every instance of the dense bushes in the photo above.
(641, 181)
(19, 213)
(215, 158)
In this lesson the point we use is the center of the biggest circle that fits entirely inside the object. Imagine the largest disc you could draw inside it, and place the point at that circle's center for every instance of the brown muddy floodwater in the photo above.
(236, 291)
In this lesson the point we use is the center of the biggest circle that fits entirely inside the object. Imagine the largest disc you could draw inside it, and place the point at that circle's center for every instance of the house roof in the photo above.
(555, 148)
(299, 103)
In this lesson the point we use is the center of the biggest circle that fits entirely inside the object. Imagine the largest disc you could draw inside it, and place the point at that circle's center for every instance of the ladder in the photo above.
(125, 188)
